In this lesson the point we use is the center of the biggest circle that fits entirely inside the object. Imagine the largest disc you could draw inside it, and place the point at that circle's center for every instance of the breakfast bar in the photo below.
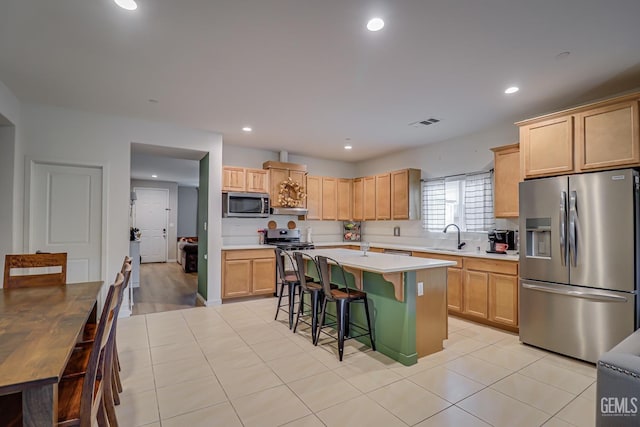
(407, 297)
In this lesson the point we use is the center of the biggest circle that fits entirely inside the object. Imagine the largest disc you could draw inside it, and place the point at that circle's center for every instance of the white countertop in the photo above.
(474, 254)
(241, 247)
(378, 262)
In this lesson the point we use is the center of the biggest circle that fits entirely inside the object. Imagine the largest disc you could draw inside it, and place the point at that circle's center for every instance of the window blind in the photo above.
(478, 202)
(433, 203)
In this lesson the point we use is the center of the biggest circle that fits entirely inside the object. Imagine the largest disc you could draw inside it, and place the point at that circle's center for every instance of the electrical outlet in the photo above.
(420, 289)
(396, 231)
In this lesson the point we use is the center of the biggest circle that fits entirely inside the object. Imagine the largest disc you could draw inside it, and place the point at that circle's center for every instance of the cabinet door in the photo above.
(233, 179)
(257, 180)
(547, 147)
(383, 196)
(237, 278)
(400, 194)
(503, 299)
(358, 199)
(329, 198)
(506, 178)
(454, 289)
(276, 176)
(344, 199)
(300, 177)
(314, 197)
(263, 276)
(608, 137)
(475, 293)
(369, 197)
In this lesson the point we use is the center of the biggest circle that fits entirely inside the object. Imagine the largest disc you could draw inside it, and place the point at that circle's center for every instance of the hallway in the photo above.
(164, 287)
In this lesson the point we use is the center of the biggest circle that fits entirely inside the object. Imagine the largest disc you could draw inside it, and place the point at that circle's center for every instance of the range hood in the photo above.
(288, 211)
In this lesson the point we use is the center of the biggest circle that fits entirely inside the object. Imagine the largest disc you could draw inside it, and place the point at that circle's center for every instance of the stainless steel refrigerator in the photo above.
(579, 261)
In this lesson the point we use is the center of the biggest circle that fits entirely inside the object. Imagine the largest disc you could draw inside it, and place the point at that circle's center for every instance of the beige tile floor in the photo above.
(233, 365)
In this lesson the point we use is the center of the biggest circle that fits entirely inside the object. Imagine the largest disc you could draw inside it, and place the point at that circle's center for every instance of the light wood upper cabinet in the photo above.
(383, 196)
(598, 136)
(329, 198)
(344, 199)
(547, 147)
(314, 197)
(358, 199)
(244, 179)
(279, 172)
(257, 180)
(405, 194)
(369, 198)
(608, 137)
(233, 178)
(507, 178)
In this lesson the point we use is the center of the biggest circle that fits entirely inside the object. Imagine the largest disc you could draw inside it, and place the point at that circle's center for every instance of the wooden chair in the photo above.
(343, 297)
(81, 398)
(38, 260)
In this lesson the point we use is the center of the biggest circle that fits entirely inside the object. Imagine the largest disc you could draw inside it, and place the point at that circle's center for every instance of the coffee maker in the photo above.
(507, 237)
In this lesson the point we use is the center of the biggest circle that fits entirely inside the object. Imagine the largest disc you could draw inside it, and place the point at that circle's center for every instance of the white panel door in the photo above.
(65, 215)
(151, 218)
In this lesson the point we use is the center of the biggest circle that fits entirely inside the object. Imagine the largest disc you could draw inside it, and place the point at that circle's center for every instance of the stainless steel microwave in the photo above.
(245, 205)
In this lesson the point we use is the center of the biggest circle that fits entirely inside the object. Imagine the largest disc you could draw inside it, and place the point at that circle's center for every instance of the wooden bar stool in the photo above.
(343, 297)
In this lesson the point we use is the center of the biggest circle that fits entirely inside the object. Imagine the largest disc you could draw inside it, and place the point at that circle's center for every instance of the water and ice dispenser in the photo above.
(538, 237)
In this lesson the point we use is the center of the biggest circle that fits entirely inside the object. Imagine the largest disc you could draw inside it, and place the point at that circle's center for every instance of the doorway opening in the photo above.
(166, 190)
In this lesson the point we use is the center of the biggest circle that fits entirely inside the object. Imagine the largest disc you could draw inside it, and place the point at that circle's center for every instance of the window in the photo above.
(466, 200)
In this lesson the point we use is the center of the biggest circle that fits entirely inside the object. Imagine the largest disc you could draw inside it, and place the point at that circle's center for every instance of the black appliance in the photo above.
(502, 236)
(286, 239)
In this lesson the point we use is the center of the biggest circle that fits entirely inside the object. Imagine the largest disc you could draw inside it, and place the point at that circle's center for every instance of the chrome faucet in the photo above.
(460, 244)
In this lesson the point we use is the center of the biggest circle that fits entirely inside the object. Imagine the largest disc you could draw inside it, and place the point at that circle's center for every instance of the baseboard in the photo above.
(208, 303)
(172, 260)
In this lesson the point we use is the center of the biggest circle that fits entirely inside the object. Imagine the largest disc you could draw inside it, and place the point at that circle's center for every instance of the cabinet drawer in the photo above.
(249, 254)
(494, 266)
(456, 259)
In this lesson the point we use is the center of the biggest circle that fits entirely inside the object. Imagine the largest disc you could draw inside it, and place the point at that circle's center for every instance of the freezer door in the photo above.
(543, 239)
(601, 230)
(574, 321)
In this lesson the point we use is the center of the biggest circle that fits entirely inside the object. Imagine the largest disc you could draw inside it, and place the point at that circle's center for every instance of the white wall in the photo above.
(187, 211)
(75, 137)
(233, 155)
(11, 173)
(172, 232)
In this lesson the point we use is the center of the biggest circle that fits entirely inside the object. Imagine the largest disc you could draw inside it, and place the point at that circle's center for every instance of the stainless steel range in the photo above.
(286, 239)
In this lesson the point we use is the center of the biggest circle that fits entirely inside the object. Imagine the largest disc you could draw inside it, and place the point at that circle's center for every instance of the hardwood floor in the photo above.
(164, 287)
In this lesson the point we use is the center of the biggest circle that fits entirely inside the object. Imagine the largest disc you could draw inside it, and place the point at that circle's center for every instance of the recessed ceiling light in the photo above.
(153, 101)
(247, 129)
(127, 4)
(563, 55)
(375, 24)
(348, 147)
(512, 89)
(154, 176)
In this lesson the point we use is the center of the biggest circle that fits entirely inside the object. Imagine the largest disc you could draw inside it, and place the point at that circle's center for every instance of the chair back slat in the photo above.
(96, 368)
(280, 263)
(35, 261)
(302, 263)
(325, 275)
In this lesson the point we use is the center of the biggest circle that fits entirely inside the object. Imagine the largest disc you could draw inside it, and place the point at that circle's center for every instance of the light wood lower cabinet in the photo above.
(481, 289)
(248, 272)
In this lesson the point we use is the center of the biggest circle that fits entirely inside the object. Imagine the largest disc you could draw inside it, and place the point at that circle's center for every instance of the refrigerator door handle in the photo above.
(563, 227)
(593, 296)
(573, 216)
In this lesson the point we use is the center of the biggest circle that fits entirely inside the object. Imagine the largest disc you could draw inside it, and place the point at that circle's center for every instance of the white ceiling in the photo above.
(306, 74)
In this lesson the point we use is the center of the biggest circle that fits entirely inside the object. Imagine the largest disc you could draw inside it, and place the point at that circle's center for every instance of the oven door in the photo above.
(245, 205)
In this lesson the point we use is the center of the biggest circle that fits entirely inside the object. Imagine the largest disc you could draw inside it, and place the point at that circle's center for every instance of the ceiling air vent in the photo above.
(424, 122)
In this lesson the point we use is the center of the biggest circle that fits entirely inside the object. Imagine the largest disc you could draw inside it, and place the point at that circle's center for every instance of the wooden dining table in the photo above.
(38, 331)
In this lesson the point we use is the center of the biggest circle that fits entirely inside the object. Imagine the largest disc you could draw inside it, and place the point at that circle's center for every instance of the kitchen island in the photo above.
(407, 300)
